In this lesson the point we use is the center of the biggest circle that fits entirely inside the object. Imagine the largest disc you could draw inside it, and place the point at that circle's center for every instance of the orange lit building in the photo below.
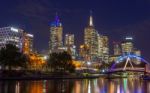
(84, 51)
(27, 43)
(36, 61)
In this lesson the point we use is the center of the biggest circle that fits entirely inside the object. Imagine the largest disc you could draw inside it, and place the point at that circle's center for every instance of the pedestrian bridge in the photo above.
(127, 64)
(127, 69)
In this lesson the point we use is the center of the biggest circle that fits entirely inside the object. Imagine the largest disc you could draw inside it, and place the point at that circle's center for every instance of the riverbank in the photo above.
(50, 76)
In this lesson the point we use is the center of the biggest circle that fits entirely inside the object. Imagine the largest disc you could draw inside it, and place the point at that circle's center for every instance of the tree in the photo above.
(61, 62)
(10, 56)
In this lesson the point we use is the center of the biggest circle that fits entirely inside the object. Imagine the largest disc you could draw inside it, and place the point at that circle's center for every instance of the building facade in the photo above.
(11, 35)
(127, 46)
(56, 35)
(69, 39)
(116, 48)
(70, 45)
(27, 43)
(103, 48)
(91, 39)
(17, 37)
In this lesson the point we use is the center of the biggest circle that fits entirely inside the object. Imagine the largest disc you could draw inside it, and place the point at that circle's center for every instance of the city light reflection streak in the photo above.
(17, 88)
(89, 87)
(118, 89)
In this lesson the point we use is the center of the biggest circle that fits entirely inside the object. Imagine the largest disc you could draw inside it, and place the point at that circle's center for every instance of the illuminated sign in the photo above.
(14, 29)
(129, 38)
(30, 35)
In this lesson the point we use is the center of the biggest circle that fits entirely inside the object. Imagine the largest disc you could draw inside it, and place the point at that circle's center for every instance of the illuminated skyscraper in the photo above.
(91, 38)
(11, 35)
(127, 45)
(69, 39)
(27, 43)
(103, 48)
(69, 44)
(56, 34)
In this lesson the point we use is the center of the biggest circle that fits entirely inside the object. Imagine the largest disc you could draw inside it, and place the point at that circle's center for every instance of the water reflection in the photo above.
(100, 85)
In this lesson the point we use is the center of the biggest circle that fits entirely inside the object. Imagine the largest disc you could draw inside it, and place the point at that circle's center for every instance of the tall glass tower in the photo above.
(91, 38)
(56, 35)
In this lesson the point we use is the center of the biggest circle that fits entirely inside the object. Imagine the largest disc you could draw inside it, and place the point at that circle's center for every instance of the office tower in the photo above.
(103, 48)
(69, 39)
(117, 48)
(127, 46)
(56, 35)
(11, 35)
(91, 38)
(69, 44)
(27, 43)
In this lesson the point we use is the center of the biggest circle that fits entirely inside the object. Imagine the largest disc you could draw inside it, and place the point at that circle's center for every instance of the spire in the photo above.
(56, 22)
(56, 17)
(91, 19)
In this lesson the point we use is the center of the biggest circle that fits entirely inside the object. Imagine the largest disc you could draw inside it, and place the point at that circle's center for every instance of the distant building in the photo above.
(91, 39)
(56, 35)
(27, 43)
(138, 54)
(84, 52)
(116, 52)
(69, 39)
(17, 37)
(103, 48)
(69, 43)
(98, 48)
(127, 46)
(11, 35)
(117, 48)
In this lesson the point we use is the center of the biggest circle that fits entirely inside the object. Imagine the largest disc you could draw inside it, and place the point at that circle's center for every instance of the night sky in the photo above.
(115, 18)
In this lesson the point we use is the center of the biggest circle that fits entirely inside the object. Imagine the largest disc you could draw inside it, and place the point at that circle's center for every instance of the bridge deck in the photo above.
(127, 69)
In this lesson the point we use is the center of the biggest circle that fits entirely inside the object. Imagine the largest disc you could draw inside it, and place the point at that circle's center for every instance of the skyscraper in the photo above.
(69, 44)
(127, 45)
(56, 35)
(103, 48)
(91, 38)
(69, 39)
(11, 35)
(27, 43)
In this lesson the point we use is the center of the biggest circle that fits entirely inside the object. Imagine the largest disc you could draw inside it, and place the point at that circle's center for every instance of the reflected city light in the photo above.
(100, 85)
(17, 89)
(89, 87)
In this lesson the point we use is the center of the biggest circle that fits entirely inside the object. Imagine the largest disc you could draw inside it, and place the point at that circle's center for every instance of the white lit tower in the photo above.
(91, 39)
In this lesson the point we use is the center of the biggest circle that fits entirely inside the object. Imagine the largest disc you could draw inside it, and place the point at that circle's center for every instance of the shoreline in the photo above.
(48, 77)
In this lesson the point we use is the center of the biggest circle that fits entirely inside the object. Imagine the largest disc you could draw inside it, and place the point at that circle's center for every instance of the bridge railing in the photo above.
(128, 68)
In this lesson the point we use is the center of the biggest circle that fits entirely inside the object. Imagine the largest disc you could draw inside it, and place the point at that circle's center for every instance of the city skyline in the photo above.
(116, 26)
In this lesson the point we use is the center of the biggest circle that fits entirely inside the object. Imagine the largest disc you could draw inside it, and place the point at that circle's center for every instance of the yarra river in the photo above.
(99, 85)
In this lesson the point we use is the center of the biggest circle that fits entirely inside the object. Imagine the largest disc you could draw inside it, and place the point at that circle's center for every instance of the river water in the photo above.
(100, 85)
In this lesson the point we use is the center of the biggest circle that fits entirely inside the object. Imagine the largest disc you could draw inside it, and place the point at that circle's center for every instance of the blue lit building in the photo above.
(56, 35)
